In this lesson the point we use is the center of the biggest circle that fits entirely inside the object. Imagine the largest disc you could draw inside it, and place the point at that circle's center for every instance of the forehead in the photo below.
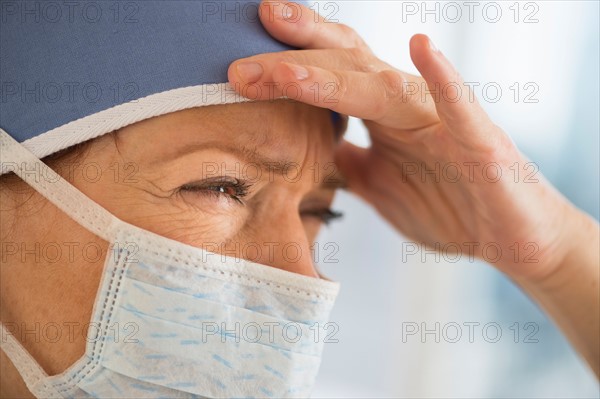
(281, 123)
(280, 128)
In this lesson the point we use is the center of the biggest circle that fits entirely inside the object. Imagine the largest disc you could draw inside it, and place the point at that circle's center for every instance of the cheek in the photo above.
(192, 219)
(312, 227)
(200, 224)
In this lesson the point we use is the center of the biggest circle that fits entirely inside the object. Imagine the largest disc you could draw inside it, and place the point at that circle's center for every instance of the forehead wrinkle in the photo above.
(317, 142)
(252, 154)
(253, 136)
(249, 154)
(290, 148)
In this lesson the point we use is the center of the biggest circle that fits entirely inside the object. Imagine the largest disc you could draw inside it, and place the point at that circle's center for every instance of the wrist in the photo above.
(574, 253)
(569, 293)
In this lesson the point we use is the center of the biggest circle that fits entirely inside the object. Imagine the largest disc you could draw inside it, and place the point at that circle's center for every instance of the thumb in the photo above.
(455, 102)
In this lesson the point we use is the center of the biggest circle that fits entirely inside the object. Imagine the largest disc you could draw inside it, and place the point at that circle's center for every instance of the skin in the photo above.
(169, 152)
(406, 128)
(558, 262)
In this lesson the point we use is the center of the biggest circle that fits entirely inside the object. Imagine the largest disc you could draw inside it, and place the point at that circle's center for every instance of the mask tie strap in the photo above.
(31, 372)
(66, 197)
(16, 158)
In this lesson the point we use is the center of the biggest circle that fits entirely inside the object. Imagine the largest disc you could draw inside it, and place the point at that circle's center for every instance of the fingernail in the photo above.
(299, 71)
(283, 12)
(250, 72)
(433, 47)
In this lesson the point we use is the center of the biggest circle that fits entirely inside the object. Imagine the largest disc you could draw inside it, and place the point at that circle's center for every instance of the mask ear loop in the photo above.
(16, 158)
(31, 372)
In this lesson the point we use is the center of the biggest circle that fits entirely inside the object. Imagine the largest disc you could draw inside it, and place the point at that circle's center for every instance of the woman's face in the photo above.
(251, 180)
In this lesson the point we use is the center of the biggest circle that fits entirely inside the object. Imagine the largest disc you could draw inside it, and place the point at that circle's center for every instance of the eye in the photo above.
(324, 215)
(221, 186)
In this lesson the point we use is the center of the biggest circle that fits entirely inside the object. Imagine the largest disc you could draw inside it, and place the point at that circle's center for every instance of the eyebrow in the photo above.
(253, 156)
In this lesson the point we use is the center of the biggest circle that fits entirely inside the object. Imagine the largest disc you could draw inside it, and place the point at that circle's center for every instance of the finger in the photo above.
(378, 96)
(456, 104)
(354, 59)
(302, 27)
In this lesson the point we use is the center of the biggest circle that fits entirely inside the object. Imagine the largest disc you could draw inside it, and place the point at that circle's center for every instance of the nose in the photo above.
(280, 241)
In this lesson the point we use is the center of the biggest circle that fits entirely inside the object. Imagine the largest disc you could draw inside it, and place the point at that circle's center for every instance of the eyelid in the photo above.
(326, 215)
(200, 184)
(207, 187)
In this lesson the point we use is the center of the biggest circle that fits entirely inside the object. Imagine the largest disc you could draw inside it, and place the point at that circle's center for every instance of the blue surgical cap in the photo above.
(72, 71)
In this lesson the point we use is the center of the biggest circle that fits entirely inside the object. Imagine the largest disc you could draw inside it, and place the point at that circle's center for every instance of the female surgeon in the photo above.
(146, 203)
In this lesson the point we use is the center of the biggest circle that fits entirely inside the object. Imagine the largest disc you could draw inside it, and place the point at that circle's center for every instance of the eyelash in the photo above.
(325, 215)
(219, 187)
(240, 189)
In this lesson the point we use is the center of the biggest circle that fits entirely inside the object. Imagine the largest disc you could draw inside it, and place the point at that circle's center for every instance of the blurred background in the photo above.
(543, 56)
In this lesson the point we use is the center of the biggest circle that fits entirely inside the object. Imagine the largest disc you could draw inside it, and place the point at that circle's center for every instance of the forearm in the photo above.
(571, 294)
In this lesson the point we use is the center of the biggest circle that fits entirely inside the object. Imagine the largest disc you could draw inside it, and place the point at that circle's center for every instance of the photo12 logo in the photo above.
(49, 12)
(70, 331)
(469, 331)
(470, 11)
(271, 332)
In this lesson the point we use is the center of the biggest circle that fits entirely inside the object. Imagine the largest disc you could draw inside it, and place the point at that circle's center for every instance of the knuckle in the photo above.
(362, 59)
(340, 90)
(347, 30)
(353, 38)
(392, 86)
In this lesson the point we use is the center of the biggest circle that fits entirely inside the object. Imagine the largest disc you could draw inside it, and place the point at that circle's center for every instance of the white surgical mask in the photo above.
(172, 320)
